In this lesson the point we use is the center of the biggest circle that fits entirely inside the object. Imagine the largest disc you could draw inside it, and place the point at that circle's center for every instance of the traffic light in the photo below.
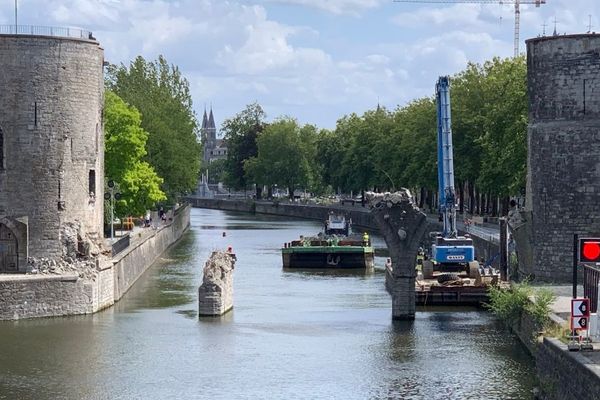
(589, 250)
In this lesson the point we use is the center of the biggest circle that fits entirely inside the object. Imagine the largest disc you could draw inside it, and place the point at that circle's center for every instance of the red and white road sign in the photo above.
(580, 323)
(580, 308)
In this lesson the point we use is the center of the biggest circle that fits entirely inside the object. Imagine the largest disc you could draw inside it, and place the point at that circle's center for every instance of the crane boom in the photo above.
(449, 252)
(447, 197)
(517, 4)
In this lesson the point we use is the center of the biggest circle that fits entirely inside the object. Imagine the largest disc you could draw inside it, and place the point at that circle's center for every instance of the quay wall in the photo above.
(34, 296)
(133, 263)
(561, 374)
(566, 375)
(360, 217)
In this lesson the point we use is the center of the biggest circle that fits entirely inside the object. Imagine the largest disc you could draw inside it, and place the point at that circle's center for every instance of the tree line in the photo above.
(384, 150)
(152, 150)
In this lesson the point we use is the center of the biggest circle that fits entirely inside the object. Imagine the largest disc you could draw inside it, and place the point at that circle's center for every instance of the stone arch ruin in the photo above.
(402, 225)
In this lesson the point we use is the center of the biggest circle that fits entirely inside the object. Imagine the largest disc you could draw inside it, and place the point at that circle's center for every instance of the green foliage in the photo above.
(504, 138)
(284, 151)
(241, 133)
(125, 143)
(540, 308)
(385, 150)
(510, 304)
(162, 96)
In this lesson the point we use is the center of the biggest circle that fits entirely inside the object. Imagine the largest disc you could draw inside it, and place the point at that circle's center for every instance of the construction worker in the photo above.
(365, 239)
(420, 258)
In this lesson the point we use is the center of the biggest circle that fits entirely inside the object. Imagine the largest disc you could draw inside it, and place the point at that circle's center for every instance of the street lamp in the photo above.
(112, 197)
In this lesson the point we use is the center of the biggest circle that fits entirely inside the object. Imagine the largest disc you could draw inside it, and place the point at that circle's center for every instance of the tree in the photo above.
(240, 134)
(418, 144)
(282, 157)
(162, 96)
(504, 141)
(125, 143)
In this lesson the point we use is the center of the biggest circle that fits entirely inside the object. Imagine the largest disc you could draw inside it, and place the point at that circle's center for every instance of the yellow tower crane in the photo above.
(517, 4)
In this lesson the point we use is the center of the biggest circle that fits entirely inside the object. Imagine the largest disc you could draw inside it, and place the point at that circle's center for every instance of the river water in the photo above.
(291, 335)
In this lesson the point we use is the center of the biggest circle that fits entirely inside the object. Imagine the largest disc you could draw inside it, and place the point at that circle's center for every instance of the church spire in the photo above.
(211, 120)
(205, 119)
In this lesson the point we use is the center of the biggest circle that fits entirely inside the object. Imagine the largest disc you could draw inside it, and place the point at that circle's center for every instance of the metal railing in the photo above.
(37, 30)
(591, 280)
(120, 245)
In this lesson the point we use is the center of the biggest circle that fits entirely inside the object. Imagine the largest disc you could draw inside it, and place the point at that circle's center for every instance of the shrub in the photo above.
(510, 304)
(539, 309)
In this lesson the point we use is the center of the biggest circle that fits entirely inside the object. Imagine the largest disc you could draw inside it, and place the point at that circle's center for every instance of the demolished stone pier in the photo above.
(215, 295)
(402, 225)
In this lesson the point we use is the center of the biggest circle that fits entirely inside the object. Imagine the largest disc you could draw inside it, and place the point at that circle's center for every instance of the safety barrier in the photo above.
(591, 281)
(120, 245)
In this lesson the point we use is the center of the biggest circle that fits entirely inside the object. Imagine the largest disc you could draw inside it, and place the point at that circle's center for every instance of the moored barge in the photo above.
(335, 248)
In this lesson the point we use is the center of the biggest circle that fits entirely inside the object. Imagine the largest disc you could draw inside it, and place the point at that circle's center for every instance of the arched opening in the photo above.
(9, 256)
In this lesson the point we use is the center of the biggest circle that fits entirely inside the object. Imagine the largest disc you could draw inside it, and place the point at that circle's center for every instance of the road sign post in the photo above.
(580, 307)
(575, 263)
(586, 251)
(580, 318)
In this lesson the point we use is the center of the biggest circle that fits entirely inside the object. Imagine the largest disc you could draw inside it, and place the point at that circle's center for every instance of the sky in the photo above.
(314, 60)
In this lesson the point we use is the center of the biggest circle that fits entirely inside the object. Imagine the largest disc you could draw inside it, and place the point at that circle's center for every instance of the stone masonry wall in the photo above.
(133, 262)
(566, 375)
(51, 119)
(32, 296)
(563, 183)
(360, 216)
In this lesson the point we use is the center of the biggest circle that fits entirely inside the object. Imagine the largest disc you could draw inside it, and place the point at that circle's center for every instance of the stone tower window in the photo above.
(92, 183)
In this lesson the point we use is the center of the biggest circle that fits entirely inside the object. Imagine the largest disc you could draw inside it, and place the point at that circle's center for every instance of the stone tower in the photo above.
(51, 146)
(563, 183)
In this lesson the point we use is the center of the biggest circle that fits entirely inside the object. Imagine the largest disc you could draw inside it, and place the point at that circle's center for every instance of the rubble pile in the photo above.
(389, 200)
(85, 268)
(80, 255)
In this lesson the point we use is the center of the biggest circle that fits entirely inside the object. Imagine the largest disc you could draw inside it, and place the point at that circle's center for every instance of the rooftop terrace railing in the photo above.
(54, 31)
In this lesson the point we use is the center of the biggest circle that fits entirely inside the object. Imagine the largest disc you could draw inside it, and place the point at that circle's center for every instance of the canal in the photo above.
(292, 335)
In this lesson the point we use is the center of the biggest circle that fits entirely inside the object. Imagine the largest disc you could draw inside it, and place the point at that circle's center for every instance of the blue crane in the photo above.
(449, 252)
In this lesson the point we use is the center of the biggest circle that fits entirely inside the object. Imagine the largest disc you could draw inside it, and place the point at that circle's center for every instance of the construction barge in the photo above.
(334, 248)
(456, 291)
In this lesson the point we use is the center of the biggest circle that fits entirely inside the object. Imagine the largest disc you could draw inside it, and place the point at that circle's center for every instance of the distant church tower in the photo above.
(214, 148)
(209, 135)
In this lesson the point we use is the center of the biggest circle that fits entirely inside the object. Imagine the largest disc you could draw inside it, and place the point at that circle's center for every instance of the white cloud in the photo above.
(352, 7)
(316, 67)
